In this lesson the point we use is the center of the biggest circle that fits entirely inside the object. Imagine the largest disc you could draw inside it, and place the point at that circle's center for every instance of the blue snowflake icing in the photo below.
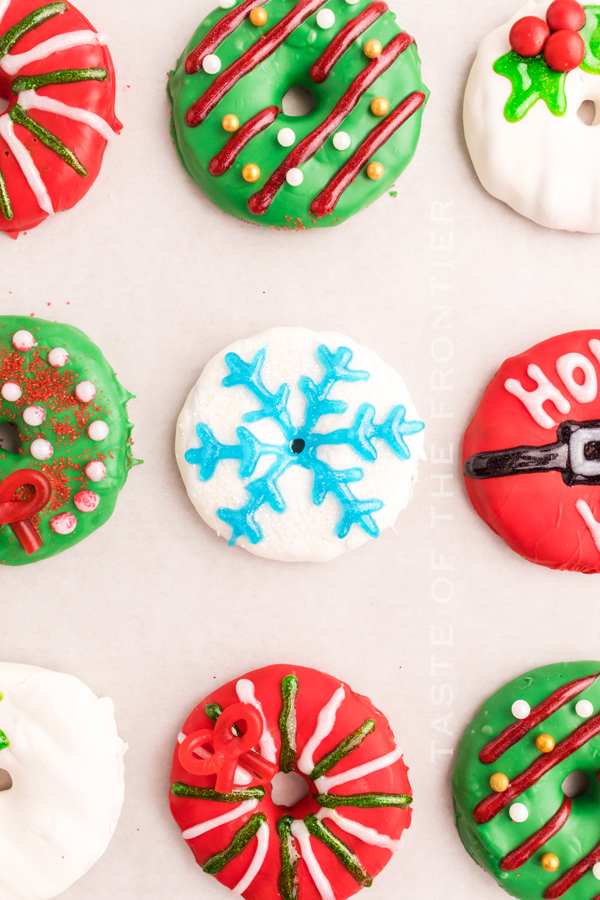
(301, 444)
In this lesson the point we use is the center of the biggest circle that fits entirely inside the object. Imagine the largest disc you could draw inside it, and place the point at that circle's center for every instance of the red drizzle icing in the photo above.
(490, 806)
(516, 858)
(321, 68)
(263, 48)
(511, 735)
(308, 146)
(573, 875)
(226, 157)
(217, 35)
(325, 202)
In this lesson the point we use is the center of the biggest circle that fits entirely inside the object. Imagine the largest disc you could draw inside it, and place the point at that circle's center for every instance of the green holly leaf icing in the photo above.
(591, 38)
(531, 81)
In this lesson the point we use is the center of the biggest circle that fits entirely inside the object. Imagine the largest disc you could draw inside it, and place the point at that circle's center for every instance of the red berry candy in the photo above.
(528, 36)
(564, 50)
(567, 14)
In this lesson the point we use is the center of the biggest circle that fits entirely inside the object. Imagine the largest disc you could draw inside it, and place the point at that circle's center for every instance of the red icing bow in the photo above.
(229, 749)
(18, 513)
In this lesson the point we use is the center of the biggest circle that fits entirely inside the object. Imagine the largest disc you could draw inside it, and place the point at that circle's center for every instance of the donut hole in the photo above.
(5, 781)
(575, 784)
(297, 445)
(298, 101)
(288, 788)
(10, 439)
(587, 113)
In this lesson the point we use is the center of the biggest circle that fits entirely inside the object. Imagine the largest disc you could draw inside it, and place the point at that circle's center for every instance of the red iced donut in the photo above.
(57, 75)
(335, 839)
(532, 453)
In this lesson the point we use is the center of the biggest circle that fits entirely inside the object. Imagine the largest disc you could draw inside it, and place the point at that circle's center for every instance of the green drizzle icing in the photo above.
(366, 801)
(18, 114)
(63, 76)
(591, 38)
(35, 18)
(213, 711)
(287, 723)
(4, 741)
(345, 747)
(287, 881)
(5, 204)
(242, 838)
(187, 790)
(345, 855)
(531, 80)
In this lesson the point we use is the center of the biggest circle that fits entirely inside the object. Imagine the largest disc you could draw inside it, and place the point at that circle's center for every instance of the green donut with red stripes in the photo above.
(61, 395)
(293, 172)
(512, 812)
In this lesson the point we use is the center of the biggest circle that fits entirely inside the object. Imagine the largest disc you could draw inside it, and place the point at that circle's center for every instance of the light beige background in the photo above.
(154, 610)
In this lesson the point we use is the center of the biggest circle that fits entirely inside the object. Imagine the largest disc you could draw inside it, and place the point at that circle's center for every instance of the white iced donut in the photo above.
(60, 747)
(545, 166)
(298, 445)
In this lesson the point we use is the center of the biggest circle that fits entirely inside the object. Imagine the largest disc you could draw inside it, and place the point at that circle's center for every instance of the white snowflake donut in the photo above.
(299, 446)
(527, 142)
(59, 745)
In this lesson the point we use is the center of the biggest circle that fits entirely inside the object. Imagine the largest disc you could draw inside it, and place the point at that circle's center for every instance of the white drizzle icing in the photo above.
(241, 810)
(241, 775)
(325, 723)
(4, 4)
(326, 782)
(12, 62)
(366, 834)
(588, 517)
(301, 833)
(245, 691)
(31, 100)
(26, 164)
(262, 837)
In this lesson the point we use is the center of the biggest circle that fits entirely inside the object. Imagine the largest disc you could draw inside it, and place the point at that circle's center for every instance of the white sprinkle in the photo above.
(325, 18)
(58, 357)
(95, 470)
(596, 871)
(34, 416)
(520, 709)
(11, 391)
(226, 4)
(341, 140)
(41, 449)
(294, 177)
(86, 501)
(351, 2)
(85, 391)
(211, 64)
(24, 340)
(584, 709)
(98, 431)
(65, 523)
(286, 137)
(518, 812)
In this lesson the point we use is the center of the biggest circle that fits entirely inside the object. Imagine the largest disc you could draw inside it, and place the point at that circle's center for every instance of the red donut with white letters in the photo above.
(531, 454)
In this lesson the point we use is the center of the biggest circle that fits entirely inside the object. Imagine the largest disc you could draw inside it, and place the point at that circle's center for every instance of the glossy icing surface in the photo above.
(64, 431)
(60, 746)
(512, 848)
(541, 493)
(58, 78)
(539, 158)
(298, 445)
(258, 67)
(333, 841)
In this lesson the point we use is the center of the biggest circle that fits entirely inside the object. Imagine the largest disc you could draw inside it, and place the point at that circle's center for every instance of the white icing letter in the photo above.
(592, 523)
(325, 723)
(262, 837)
(27, 165)
(31, 100)
(325, 783)
(534, 400)
(245, 691)
(301, 833)
(241, 810)
(566, 365)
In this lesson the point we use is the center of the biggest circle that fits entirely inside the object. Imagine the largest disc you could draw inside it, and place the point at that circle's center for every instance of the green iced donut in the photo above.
(297, 171)
(512, 814)
(60, 393)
